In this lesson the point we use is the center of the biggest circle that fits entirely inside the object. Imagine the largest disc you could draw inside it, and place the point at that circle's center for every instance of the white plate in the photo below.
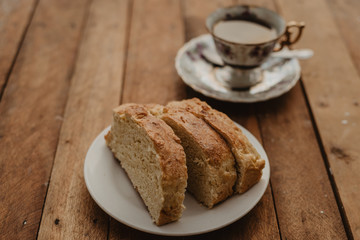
(279, 74)
(111, 189)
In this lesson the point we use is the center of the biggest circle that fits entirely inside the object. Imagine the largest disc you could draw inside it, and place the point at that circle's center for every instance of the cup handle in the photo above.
(287, 40)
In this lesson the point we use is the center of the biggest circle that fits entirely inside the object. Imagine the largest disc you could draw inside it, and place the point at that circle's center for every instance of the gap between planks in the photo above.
(85, 18)
(22, 38)
(34, 114)
(331, 81)
(327, 165)
(127, 43)
(95, 89)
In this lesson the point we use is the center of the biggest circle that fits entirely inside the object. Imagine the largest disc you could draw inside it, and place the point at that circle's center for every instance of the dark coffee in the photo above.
(242, 31)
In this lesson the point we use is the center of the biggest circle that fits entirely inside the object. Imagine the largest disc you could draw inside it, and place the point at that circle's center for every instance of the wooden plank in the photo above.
(332, 86)
(154, 41)
(195, 13)
(70, 212)
(287, 190)
(347, 16)
(305, 203)
(14, 19)
(291, 193)
(31, 111)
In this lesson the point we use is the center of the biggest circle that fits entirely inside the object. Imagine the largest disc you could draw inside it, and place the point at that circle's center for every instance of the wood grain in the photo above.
(289, 112)
(195, 13)
(314, 126)
(155, 38)
(31, 110)
(70, 212)
(332, 85)
(15, 16)
(305, 203)
(347, 16)
(295, 210)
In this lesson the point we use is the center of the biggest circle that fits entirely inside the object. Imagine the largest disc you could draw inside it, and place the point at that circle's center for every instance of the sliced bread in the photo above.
(249, 164)
(209, 160)
(153, 158)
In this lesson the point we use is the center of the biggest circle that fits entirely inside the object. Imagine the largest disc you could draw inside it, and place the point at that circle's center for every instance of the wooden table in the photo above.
(65, 64)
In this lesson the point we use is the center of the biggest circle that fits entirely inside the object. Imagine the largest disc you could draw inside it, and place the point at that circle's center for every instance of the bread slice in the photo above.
(209, 160)
(249, 164)
(153, 158)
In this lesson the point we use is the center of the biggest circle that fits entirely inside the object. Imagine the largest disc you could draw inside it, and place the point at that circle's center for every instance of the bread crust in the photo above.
(211, 143)
(249, 161)
(172, 157)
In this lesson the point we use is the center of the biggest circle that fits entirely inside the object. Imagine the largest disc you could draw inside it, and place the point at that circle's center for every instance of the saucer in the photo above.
(278, 75)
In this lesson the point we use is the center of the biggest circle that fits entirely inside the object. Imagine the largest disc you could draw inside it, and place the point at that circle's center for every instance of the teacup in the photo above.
(258, 31)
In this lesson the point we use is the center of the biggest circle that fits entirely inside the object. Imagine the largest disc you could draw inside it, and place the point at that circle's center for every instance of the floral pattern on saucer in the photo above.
(279, 74)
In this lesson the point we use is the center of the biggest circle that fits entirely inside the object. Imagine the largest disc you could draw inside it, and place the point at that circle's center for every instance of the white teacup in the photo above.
(243, 58)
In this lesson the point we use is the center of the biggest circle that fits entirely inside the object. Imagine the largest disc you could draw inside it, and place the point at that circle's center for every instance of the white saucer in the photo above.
(279, 75)
(111, 189)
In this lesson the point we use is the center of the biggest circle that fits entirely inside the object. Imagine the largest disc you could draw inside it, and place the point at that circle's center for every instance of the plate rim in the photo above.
(203, 91)
(162, 233)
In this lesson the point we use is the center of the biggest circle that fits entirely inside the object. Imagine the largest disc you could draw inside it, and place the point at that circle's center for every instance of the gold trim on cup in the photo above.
(288, 41)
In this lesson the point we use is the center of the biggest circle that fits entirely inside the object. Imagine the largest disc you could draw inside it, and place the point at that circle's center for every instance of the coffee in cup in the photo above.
(233, 31)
